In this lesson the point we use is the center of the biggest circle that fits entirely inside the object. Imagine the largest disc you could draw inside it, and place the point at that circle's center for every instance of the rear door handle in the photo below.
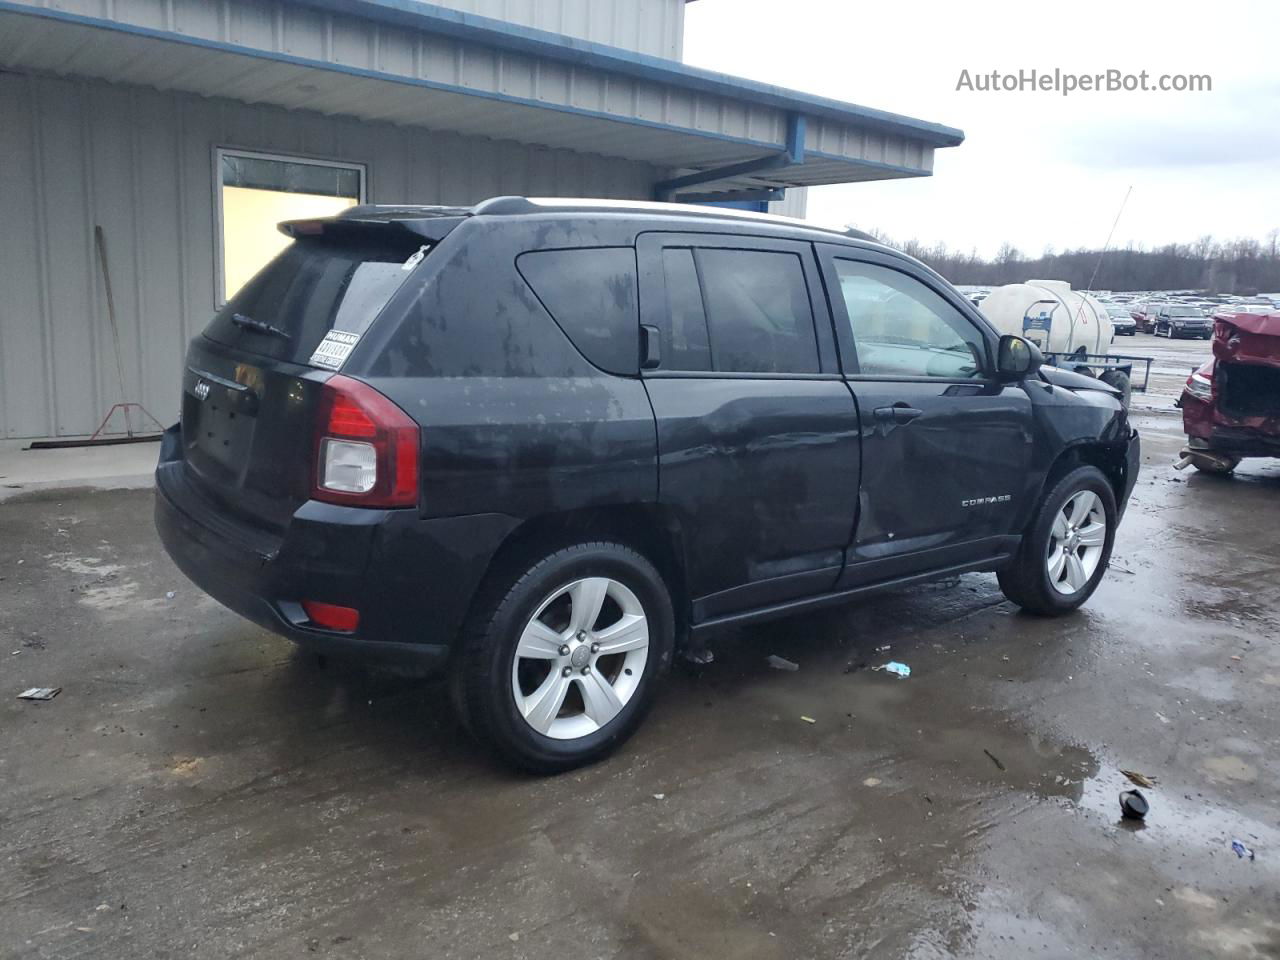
(898, 413)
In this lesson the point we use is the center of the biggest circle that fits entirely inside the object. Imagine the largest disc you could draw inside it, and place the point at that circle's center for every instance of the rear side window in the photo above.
(591, 294)
(313, 287)
(758, 311)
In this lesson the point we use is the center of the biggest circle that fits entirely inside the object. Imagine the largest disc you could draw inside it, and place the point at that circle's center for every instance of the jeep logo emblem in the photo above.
(202, 390)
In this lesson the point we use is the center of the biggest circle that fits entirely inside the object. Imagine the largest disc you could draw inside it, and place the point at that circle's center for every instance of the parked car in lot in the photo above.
(546, 445)
(1121, 320)
(1252, 306)
(1176, 321)
(1145, 316)
(1231, 405)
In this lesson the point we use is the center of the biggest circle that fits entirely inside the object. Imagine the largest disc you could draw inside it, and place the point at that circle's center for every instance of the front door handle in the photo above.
(898, 413)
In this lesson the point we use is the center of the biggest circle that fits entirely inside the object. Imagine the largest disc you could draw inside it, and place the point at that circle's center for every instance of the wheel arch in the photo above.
(1107, 457)
(650, 529)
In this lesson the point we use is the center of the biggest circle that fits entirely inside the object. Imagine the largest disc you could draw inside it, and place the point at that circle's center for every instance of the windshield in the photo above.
(314, 286)
(1184, 312)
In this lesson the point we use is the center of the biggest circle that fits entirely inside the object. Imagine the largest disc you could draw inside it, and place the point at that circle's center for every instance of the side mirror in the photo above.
(1017, 358)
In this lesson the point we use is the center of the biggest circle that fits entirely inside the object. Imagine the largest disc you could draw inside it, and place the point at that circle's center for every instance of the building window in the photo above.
(256, 191)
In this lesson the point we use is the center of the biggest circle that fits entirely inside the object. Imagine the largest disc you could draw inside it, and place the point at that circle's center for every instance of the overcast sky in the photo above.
(1036, 168)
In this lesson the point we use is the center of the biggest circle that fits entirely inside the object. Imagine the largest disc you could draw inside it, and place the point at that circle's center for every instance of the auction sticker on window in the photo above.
(334, 349)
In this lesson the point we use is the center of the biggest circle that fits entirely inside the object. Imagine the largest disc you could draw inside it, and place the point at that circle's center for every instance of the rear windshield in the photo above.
(315, 286)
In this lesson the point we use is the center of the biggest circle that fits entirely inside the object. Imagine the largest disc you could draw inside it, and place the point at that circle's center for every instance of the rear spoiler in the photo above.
(371, 221)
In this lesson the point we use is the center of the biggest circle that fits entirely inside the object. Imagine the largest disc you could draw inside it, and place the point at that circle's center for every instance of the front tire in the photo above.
(561, 658)
(1066, 549)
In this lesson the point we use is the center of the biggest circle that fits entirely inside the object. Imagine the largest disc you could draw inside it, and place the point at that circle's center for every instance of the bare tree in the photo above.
(1241, 266)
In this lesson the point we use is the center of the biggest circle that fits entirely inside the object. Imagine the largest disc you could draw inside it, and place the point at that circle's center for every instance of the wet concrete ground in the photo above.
(197, 790)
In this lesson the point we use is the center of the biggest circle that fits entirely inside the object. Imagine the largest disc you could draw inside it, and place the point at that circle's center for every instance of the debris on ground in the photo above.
(170, 595)
(781, 663)
(994, 759)
(659, 796)
(871, 782)
(513, 937)
(897, 669)
(1139, 779)
(1242, 851)
(39, 693)
(1133, 805)
(887, 646)
(808, 719)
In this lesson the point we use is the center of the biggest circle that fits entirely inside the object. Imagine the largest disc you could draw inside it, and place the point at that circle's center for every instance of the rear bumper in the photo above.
(411, 579)
(1242, 442)
(1251, 437)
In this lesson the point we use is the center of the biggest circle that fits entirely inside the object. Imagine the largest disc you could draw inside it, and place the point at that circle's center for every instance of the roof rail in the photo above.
(517, 206)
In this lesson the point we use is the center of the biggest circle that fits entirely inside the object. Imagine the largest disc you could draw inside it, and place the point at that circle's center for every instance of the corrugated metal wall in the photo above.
(794, 204)
(138, 162)
(655, 27)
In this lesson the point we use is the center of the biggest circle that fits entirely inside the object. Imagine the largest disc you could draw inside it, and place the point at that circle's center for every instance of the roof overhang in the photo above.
(417, 64)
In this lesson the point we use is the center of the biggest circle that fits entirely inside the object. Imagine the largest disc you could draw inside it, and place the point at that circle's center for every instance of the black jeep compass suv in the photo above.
(543, 445)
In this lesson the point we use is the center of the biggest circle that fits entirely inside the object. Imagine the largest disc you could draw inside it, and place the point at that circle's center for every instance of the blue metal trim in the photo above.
(792, 156)
(663, 189)
(755, 206)
(795, 137)
(498, 33)
(763, 195)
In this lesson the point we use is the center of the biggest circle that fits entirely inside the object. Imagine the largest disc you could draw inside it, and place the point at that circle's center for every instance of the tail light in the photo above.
(366, 448)
(1200, 383)
(331, 616)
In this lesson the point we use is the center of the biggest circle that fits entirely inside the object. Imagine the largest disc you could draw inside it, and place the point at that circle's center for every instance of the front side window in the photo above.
(258, 191)
(901, 328)
(758, 311)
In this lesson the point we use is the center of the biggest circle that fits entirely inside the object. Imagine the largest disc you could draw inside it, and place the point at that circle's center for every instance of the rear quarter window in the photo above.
(591, 294)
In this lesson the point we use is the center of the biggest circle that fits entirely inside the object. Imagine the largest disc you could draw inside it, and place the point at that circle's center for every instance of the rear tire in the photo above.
(1043, 578)
(541, 709)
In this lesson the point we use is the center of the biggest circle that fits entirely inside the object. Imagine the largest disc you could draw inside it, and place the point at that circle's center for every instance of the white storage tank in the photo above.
(1051, 315)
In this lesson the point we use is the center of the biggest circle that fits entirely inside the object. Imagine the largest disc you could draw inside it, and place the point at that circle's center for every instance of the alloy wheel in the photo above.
(580, 658)
(1076, 542)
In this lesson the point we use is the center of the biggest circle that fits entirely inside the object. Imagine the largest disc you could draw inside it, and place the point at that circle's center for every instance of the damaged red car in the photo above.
(1231, 405)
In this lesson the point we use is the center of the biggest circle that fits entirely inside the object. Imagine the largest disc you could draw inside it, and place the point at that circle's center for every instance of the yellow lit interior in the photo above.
(249, 235)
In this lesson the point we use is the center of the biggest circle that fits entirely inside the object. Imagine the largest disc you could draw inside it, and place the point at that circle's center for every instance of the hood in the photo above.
(1074, 381)
(1247, 338)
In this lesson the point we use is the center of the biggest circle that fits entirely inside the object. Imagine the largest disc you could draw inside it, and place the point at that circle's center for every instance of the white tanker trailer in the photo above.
(1071, 328)
(1051, 315)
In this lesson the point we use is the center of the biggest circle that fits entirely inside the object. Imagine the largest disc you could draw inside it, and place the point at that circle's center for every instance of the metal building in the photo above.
(169, 134)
